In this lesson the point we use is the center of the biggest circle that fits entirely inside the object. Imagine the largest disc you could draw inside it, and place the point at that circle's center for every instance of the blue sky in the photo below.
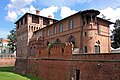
(12, 10)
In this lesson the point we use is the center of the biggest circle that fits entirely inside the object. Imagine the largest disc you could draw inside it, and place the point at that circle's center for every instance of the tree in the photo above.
(12, 40)
(116, 35)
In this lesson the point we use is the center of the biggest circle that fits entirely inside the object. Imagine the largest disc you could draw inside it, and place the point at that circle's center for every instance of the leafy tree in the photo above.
(116, 35)
(12, 40)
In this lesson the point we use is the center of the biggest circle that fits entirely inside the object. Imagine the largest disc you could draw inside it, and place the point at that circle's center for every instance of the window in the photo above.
(21, 51)
(55, 30)
(48, 43)
(77, 76)
(98, 29)
(22, 22)
(84, 34)
(72, 40)
(61, 28)
(45, 21)
(48, 32)
(85, 49)
(30, 50)
(25, 19)
(97, 48)
(71, 24)
(35, 19)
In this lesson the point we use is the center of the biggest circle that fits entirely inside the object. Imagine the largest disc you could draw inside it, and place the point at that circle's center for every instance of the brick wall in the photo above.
(7, 62)
(63, 66)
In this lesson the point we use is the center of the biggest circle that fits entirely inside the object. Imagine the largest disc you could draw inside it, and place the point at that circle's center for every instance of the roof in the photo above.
(34, 15)
(5, 40)
(105, 20)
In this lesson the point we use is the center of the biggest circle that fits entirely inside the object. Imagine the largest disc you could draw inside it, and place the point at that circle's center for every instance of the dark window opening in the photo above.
(85, 34)
(35, 19)
(45, 21)
(48, 43)
(85, 49)
(77, 74)
(22, 22)
(72, 40)
(25, 19)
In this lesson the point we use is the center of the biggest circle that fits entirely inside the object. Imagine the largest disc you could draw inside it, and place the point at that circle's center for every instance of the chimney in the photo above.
(49, 16)
(37, 11)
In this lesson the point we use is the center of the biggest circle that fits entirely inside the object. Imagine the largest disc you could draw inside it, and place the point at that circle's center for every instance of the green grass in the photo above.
(6, 73)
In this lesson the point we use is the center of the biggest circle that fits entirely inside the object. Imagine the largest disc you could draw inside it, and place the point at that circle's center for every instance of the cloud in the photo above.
(66, 11)
(62, 2)
(18, 7)
(11, 16)
(18, 4)
(110, 13)
(49, 11)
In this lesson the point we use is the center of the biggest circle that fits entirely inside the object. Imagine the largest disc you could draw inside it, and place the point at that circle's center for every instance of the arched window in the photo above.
(61, 28)
(30, 50)
(72, 40)
(71, 24)
(58, 40)
(85, 50)
(97, 47)
(55, 30)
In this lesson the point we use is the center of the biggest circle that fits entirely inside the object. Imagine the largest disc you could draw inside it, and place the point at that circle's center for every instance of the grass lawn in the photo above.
(6, 73)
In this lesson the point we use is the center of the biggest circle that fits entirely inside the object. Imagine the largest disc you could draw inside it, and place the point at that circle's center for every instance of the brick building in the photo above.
(84, 30)
(84, 43)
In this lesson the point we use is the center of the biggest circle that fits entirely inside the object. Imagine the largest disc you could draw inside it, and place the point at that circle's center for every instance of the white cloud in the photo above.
(18, 7)
(111, 13)
(49, 11)
(30, 9)
(18, 4)
(66, 11)
(11, 16)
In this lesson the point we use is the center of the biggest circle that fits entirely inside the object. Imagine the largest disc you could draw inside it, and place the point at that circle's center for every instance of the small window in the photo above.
(97, 49)
(71, 24)
(55, 30)
(85, 49)
(48, 43)
(21, 51)
(77, 74)
(61, 28)
(22, 22)
(84, 34)
(48, 32)
(35, 19)
(25, 19)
